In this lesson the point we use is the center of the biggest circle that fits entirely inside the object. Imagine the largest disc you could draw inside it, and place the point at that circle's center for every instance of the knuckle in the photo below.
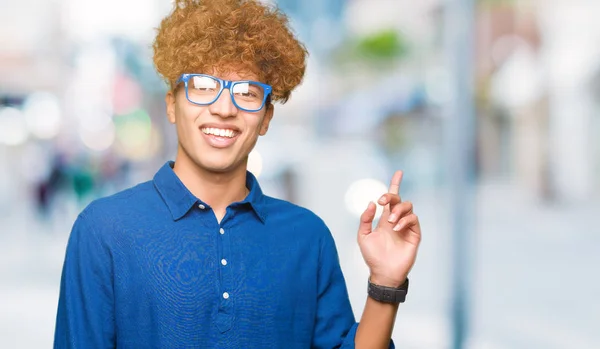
(406, 210)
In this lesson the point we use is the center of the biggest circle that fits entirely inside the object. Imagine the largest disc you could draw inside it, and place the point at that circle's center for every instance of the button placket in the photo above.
(225, 253)
(227, 301)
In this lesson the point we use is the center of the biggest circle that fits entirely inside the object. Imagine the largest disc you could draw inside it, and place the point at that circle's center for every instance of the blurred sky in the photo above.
(82, 116)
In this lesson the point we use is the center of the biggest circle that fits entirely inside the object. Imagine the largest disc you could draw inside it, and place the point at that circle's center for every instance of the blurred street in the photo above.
(535, 268)
(390, 84)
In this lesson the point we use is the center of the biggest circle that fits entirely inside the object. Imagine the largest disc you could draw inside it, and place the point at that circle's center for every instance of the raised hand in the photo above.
(390, 249)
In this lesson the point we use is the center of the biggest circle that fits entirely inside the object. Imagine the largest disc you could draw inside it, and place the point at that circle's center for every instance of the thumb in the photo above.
(366, 220)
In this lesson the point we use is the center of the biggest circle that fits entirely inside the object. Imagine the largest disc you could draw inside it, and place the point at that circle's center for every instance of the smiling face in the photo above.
(216, 138)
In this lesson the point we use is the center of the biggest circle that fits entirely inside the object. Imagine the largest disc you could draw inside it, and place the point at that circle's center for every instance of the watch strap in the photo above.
(388, 294)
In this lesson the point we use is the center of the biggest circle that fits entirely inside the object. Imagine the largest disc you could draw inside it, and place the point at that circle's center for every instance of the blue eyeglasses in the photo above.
(204, 89)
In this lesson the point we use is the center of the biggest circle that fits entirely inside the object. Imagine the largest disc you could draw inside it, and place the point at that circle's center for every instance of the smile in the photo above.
(219, 132)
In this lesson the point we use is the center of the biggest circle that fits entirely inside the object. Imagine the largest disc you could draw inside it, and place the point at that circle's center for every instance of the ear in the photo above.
(264, 127)
(170, 102)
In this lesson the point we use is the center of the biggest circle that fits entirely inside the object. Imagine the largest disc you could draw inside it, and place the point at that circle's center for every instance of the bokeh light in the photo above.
(98, 140)
(135, 135)
(43, 115)
(13, 129)
(361, 192)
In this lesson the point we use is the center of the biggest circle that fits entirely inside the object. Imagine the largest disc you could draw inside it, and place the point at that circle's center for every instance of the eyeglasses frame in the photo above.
(226, 84)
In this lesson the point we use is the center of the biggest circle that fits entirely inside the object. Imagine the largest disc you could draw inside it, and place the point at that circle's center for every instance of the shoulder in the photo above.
(107, 210)
(301, 219)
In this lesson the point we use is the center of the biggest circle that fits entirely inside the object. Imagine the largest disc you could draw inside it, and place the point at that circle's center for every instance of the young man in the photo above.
(199, 257)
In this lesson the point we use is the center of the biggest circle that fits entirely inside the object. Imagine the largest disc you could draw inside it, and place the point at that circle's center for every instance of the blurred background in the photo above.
(491, 107)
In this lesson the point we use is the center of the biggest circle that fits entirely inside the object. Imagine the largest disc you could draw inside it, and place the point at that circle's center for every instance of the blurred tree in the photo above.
(379, 48)
(384, 45)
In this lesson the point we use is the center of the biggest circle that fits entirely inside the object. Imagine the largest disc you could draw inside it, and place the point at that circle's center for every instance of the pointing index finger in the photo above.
(395, 183)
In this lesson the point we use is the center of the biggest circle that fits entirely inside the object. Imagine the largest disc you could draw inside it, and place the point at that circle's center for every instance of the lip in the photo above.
(217, 141)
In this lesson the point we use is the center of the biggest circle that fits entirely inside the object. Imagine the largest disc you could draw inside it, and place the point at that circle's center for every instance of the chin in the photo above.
(210, 161)
(217, 166)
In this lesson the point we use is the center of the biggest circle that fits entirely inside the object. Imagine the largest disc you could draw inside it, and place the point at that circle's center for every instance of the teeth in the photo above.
(218, 132)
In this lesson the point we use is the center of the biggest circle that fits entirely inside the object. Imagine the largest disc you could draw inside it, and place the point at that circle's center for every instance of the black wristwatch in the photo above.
(388, 294)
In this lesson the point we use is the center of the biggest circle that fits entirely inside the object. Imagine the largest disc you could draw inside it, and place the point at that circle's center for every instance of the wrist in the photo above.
(387, 294)
(386, 282)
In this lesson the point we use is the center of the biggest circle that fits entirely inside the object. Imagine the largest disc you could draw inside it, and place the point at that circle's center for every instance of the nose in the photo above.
(223, 106)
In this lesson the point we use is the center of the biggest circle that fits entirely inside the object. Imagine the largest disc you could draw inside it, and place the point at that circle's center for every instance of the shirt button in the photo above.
(222, 231)
(224, 261)
(202, 207)
(226, 295)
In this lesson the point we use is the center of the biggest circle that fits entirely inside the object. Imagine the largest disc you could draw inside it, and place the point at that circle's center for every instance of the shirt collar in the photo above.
(180, 200)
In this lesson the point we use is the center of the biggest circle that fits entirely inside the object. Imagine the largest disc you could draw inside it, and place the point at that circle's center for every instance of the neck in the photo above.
(217, 189)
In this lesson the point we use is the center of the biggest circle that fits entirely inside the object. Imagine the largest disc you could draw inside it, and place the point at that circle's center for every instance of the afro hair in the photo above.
(200, 36)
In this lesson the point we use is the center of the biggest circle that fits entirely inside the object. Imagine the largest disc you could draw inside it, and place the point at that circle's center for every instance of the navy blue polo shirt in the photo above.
(151, 267)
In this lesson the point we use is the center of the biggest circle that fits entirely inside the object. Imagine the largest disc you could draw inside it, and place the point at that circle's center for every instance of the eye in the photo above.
(248, 94)
(247, 90)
